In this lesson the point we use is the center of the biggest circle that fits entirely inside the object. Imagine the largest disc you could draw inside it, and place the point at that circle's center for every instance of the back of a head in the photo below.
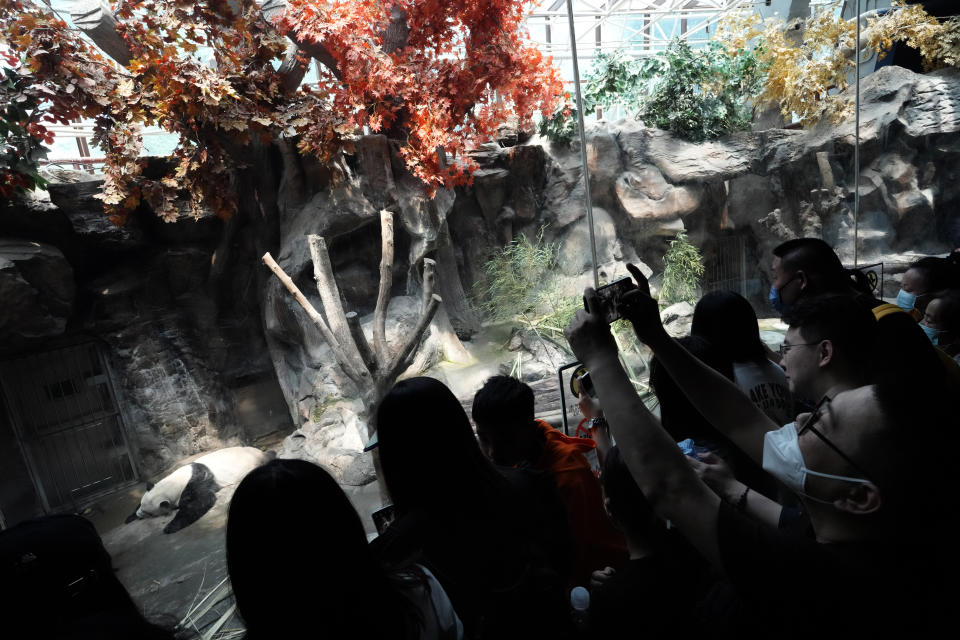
(949, 310)
(937, 273)
(849, 325)
(729, 323)
(677, 414)
(818, 261)
(504, 401)
(428, 452)
(57, 581)
(626, 502)
(329, 581)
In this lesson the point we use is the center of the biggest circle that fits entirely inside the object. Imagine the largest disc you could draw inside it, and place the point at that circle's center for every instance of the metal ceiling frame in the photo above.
(649, 38)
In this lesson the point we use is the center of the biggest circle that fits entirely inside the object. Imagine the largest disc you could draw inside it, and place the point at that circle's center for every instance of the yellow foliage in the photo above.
(809, 60)
(938, 42)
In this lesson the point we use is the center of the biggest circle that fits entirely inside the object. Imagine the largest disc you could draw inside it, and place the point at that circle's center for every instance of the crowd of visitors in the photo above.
(810, 494)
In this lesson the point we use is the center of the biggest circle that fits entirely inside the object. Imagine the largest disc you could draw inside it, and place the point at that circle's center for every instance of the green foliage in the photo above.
(697, 94)
(701, 94)
(561, 127)
(520, 285)
(614, 80)
(684, 268)
(20, 148)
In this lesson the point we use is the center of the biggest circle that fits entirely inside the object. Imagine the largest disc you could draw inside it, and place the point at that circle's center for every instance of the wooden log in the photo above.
(272, 10)
(402, 360)
(94, 18)
(292, 68)
(383, 296)
(361, 378)
(359, 339)
(328, 290)
(429, 282)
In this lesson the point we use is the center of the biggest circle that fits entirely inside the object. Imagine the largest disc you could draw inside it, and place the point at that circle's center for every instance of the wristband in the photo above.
(742, 500)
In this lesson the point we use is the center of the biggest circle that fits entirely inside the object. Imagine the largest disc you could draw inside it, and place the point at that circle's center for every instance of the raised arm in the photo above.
(712, 469)
(651, 455)
(720, 401)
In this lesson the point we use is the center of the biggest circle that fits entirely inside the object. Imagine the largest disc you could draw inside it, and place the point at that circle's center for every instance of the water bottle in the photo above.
(580, 609)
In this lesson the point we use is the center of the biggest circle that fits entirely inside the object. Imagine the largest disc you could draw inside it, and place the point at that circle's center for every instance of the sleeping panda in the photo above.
(192, 489)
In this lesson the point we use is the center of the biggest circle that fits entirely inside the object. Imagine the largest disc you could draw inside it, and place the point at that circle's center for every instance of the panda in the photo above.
(192, 488)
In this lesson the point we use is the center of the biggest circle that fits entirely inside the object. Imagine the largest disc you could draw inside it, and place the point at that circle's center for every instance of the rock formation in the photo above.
(198, 329)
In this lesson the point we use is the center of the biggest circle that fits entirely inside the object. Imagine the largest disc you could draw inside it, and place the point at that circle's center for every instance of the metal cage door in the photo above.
(66, 417)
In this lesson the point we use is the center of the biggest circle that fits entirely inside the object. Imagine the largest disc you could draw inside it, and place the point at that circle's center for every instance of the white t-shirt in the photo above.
(766, 385)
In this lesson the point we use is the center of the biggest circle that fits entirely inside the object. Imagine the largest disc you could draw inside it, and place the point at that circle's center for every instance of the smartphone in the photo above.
(610, 295)
(383, 518)
(586, 385)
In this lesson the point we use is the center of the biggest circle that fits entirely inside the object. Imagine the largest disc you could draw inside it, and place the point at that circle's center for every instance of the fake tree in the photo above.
(436, 77)
(440, 75)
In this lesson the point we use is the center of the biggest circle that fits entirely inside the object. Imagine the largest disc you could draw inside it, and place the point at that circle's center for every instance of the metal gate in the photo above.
(728, 270)
(67, 420)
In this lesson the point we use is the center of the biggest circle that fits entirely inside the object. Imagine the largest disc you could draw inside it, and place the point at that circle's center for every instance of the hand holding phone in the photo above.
(609, 296)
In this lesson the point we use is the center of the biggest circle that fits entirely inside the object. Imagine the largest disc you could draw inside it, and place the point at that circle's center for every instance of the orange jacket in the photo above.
(597, 542)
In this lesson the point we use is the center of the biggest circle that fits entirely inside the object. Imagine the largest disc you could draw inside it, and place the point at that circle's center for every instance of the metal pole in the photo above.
(583, 144)
(856, 152)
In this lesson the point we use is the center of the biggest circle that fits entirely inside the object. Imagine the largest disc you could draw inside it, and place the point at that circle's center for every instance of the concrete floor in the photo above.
(167, 573)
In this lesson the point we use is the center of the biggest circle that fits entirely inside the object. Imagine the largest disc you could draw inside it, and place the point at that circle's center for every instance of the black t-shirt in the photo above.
(645, 596)
(794, 586)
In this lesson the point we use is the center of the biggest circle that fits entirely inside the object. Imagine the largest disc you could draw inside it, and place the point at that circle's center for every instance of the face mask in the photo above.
(783, 460)
(933, 334)
(775, 300)
(906, 301)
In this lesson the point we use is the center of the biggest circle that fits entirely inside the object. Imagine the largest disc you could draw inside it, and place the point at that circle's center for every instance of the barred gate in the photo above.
(728, 269)
(66, 418)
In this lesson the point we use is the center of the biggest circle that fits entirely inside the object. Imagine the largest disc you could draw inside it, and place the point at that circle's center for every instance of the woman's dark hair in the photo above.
(428, 452)
(326, 581)
(727, 321)
(677, 414)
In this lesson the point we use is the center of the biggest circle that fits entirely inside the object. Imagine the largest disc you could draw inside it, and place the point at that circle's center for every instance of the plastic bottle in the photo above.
(580, 609)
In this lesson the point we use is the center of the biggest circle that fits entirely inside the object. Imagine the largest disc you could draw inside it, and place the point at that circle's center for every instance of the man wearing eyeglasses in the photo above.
(845, 459)
(828, 347)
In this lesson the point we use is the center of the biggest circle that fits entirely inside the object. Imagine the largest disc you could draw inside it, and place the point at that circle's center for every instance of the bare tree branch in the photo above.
(292, 68)
(273, 9)
(386, 284)
(360, 339)
(429, 282)
(360, 378)
(401, 360)
(94, 18)
(329, 293)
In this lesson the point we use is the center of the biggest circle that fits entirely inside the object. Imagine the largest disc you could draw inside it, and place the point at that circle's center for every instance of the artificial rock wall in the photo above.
(210, 350)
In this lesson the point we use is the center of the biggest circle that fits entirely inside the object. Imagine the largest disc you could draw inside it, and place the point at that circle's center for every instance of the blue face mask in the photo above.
(906, 300)
(775, 300)
(933, 334)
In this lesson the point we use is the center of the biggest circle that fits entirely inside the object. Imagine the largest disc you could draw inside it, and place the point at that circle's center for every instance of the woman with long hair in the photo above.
(460, 514)
(300, 565)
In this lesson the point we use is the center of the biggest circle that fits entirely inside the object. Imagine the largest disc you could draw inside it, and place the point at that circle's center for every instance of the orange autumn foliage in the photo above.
(208, 73)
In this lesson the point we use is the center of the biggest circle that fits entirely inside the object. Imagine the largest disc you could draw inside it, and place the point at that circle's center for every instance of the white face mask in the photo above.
(783, 460)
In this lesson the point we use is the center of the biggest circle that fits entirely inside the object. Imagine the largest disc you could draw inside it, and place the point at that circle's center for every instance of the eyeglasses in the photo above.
(785, 348)
(808, 426)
